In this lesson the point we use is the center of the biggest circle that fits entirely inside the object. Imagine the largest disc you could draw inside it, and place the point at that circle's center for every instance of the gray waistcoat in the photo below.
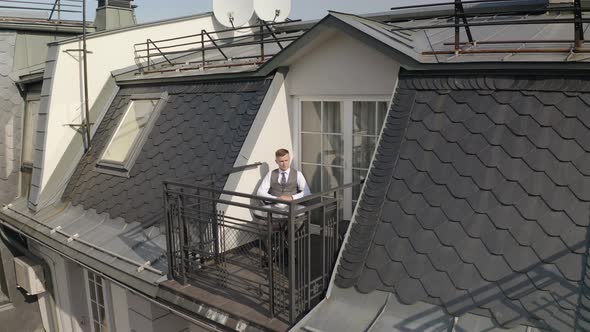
(290, 188)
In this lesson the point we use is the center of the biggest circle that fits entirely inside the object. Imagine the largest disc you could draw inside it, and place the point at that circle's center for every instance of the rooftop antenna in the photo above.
(272, 10)
(233, 13)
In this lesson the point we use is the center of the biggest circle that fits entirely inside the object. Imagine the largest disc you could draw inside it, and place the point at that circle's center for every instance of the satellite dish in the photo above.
(272, 10)
(233, 13)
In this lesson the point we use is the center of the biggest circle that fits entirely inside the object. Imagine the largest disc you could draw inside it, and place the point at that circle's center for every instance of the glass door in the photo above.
(337, 141)
(322, 144)
(367, 121)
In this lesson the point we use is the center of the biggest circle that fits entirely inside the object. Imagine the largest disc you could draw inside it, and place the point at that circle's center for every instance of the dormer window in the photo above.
(133, 129)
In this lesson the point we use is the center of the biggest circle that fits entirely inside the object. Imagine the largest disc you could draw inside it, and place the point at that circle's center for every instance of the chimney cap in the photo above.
(116, 3)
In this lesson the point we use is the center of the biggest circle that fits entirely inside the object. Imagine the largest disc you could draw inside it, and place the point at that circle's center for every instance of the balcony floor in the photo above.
(239, 286)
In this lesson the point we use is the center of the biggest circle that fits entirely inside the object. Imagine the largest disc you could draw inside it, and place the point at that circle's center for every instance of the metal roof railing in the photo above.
(190, 51)
(53, 8)
(466, 19)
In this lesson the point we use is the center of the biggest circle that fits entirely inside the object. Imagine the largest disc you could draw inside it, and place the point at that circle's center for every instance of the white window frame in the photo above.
(29, 98)
(346, 110)
(106, 295)
(123, 169)
(26, 168)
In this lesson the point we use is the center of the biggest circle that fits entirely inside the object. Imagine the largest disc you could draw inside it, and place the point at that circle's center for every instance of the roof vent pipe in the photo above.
(114, 14)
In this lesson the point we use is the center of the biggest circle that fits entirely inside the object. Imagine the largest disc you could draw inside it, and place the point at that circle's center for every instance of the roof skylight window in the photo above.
(133, 129)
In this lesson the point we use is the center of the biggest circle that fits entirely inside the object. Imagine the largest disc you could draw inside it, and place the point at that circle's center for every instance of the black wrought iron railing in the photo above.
(274, 256)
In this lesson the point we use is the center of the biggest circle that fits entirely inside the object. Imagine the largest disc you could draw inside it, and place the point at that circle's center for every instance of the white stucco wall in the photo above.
(270, 131)
(120, 307)
(110, 51)
(342, 66)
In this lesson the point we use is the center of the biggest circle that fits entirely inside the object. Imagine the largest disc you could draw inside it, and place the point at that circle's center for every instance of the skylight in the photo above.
(132, 131)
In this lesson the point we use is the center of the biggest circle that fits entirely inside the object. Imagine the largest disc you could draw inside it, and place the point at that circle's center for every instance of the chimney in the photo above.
(114, 14)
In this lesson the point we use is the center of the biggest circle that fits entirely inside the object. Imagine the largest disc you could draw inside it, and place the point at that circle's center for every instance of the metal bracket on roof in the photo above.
(460, 14)
(205, 33)
(272, 33)
(53, 231)
(73, 237)
(79, 127)
(578, 25)
(143, 266)
(76, 50)
(76, 125)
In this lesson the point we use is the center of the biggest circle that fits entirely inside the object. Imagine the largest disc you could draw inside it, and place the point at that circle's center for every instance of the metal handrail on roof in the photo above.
(178, 53)
(51, 7)
(464, 19)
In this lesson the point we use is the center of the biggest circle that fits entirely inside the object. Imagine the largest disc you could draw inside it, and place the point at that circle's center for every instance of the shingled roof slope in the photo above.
(478, 200)
(200, 131)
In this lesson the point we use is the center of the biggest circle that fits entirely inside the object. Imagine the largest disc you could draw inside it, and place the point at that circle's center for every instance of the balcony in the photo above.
(271, 256)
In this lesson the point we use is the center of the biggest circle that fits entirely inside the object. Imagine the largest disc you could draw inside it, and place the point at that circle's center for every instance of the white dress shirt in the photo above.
(301, 185)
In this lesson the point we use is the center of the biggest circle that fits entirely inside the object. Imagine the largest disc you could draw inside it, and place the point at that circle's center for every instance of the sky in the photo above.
(152, 10)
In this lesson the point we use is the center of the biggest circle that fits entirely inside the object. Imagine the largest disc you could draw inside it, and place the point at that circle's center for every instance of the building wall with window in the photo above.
(338, 92)
(81, 300)
(328, 111)
(22, 52)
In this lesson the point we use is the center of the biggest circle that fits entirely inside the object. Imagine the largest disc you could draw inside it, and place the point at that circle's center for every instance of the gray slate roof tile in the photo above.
(187, 141)
(482, 205)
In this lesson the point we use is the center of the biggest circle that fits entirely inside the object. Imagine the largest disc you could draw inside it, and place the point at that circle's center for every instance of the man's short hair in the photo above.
(281, 153)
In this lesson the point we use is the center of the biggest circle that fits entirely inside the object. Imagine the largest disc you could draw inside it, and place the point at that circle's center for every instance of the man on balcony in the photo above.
(284, 183)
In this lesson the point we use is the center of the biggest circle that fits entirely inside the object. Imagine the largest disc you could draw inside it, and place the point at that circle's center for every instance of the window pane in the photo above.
(26, 175)
(103, 316)
(332, 177)
(311, 116)
(333, 150)
(133, 122)
(362, 151)
(92, 291)
(332, 117)
(100, 295)
(381, 113)
(95, 316)
(364, 115)
(358, 178)
(312, 176)
(311, 147)
(29, 130)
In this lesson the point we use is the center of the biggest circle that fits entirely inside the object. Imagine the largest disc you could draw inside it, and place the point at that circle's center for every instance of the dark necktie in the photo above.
(283, 178)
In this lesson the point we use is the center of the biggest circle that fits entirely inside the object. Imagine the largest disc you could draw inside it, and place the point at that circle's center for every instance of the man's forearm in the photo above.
(265, 194)
(298, 195)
